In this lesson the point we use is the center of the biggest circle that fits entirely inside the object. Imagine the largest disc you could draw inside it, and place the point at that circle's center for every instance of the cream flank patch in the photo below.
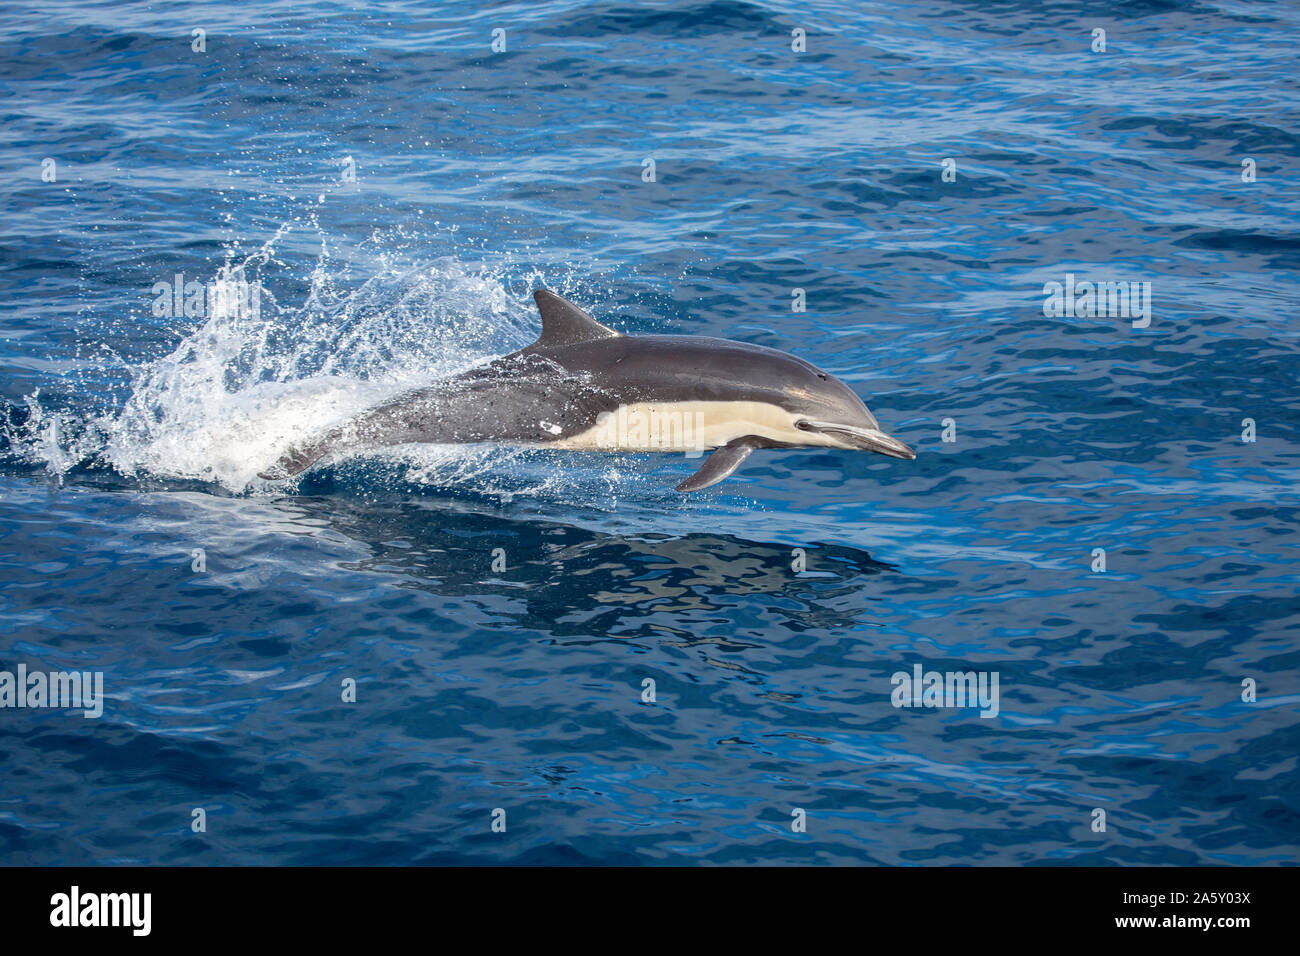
(689, 426)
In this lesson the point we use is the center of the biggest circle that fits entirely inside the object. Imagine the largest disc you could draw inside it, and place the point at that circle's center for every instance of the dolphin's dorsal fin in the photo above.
(563, 323)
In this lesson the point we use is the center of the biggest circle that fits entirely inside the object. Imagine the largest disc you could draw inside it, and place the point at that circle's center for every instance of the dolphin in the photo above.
(584, 386)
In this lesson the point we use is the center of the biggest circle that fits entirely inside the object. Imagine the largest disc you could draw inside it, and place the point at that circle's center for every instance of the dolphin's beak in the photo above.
(868, 439)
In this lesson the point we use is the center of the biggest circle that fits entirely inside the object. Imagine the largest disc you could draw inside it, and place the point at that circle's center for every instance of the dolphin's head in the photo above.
(829, 414)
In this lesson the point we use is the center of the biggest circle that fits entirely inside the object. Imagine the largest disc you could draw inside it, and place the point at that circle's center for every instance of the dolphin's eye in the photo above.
(823, 376)
(803, 425)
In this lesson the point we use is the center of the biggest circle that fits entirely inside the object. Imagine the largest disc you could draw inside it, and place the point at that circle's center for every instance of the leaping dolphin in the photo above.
(584, 386)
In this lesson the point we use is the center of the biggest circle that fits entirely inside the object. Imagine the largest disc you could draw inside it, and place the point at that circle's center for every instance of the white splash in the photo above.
(243, 386)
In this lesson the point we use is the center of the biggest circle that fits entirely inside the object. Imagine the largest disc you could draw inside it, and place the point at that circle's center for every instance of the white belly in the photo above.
(684, 426)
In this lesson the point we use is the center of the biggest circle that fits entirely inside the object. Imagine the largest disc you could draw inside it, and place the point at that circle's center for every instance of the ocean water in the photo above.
(392, 188)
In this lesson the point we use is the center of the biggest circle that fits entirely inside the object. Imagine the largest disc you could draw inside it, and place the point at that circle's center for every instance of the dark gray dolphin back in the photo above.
(693, 368)
(679, 368)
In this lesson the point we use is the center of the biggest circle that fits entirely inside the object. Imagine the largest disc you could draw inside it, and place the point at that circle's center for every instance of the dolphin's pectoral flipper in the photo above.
(717, 467)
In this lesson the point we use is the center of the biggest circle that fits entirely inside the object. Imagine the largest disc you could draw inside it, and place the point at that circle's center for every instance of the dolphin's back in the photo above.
(674, 368)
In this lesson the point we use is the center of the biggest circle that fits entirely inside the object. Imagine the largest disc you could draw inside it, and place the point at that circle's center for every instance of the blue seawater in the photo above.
(391, 187)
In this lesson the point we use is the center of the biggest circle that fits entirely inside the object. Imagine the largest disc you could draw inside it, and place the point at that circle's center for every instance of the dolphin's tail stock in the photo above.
(294, 462)
(390, 424)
